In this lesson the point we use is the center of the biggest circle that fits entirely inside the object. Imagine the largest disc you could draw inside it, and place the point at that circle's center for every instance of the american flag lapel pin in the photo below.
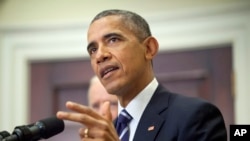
(151, 128)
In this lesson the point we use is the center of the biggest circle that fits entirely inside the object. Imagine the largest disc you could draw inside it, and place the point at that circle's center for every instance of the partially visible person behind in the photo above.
(97, 95)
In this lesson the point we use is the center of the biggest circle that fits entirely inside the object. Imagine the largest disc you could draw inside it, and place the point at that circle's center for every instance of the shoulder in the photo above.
(178, 104)
(191, 105)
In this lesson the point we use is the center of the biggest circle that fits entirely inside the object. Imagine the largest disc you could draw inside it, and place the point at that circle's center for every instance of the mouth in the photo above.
(107, 70)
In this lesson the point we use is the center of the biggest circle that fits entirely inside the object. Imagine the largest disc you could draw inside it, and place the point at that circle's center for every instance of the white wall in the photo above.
(62, 12)
(47, 30)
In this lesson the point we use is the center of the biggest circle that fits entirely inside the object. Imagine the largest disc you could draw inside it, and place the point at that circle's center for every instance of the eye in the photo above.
(92, 50)
(113, 40)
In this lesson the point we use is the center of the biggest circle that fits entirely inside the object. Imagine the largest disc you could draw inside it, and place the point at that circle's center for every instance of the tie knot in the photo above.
(124, 117)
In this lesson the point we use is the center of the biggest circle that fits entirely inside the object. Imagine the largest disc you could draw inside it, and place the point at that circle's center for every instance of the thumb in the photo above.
(105, 110)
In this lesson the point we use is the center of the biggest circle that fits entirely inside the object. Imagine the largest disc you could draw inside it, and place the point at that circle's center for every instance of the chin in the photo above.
(111, 91)
(114, 87)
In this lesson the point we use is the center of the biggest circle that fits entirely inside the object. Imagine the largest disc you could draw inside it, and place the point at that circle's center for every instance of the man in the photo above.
(97, 95)
(121, 50)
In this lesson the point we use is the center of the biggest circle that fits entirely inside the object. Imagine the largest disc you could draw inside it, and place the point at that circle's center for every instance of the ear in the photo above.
(151, 49)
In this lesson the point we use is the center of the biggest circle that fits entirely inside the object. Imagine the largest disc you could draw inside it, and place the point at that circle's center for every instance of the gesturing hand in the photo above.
(99, 127)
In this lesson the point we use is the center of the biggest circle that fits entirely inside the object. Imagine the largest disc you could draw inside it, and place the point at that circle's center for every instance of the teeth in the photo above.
(108, 70)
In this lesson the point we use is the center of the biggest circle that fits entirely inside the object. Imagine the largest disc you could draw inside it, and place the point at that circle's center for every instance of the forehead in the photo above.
(106, 25)
(107, 20)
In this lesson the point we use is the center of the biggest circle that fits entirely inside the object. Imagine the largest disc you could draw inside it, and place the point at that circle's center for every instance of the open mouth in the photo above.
(107, 70)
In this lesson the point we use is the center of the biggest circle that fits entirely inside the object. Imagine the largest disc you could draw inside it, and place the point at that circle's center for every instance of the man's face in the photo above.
(117, 56)
(98, 95)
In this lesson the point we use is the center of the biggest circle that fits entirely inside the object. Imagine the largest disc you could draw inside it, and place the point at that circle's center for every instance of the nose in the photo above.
(103, 54)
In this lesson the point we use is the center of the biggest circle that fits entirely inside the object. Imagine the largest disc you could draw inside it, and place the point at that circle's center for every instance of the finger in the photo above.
(95, 133)
(80, 118)
(90, 139)
(106, 111)
(82, 133)
(82, 109)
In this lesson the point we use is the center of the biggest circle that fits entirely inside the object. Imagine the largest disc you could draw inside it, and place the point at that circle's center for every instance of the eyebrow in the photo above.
(104, 37)
(111, 34)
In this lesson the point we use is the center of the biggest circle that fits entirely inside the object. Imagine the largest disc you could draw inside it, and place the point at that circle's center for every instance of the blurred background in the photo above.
(204, 52)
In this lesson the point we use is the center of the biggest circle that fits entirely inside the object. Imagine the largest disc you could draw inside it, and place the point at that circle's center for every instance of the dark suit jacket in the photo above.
(172, 117)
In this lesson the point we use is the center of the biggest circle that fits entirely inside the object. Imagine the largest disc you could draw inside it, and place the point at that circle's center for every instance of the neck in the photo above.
(132, 91)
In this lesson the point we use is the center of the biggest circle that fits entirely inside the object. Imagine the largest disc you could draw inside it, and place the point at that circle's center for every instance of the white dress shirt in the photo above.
(137, 106)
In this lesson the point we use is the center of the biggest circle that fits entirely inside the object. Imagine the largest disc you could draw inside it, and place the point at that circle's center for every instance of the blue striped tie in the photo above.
(122, 127)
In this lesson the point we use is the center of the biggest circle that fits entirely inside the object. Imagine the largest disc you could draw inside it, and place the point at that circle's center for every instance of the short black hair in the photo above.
(135, 22)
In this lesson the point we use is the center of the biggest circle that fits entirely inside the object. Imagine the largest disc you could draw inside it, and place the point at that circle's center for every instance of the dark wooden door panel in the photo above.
(62, 95)
(54, 83)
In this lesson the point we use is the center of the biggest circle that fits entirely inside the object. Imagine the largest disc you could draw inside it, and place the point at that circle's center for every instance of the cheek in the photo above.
(131, 59)
(94, 66)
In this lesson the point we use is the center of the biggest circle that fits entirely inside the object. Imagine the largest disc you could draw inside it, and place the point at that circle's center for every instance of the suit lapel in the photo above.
(152, 120)
(148, 128)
